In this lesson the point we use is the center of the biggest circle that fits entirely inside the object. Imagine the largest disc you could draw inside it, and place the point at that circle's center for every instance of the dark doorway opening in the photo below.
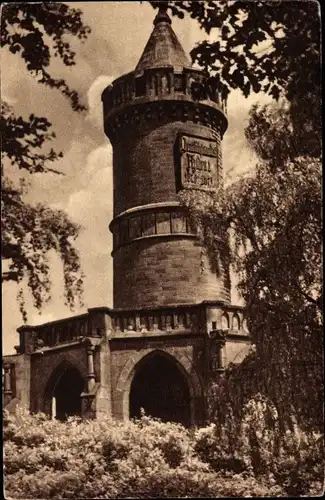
(161, 390)
(67, 394)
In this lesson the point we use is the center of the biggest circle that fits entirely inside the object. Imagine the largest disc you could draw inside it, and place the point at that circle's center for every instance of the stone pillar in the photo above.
(7, 389)
(217, 342)
(90, 363)
(53, 409)
(219, 356)
(87, 398)
(220, 342)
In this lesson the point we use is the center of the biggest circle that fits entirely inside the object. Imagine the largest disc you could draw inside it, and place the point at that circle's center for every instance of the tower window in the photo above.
(135, 227)
(140, 86)
(178, 223)
(179, 83)
(148, 224)
(124, 231)
(225, 322)
(165, 84)
(163, 223)
(153, 85)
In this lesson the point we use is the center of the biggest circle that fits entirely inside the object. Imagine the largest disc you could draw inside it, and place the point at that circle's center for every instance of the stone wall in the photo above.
(164, 271)
(20, 372)
(144, 162)
(43, 366)
(168, 270)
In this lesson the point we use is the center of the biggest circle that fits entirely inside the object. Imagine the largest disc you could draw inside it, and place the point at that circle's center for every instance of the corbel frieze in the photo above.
(144, 117)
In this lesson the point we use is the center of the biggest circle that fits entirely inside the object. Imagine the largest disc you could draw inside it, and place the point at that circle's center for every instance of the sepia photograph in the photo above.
(161, 236)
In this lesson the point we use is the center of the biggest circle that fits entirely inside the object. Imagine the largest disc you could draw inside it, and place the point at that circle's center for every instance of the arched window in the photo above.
(225, 322)
(235, 322)
(164, 84)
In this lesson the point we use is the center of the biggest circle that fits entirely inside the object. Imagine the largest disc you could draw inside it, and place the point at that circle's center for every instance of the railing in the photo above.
(194, 318)
(176, 319)
(53, 333)
(63, 331)
(156, 221)
(179, 319)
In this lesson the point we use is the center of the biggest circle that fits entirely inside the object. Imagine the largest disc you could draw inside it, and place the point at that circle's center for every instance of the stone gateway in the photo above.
(172, 327)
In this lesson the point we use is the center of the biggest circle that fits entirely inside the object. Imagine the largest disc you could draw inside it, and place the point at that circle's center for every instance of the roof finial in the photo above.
(162, 16)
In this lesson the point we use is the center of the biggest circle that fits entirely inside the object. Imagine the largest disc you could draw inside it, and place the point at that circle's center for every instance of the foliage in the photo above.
(265, 134)
(289, 31)
(29, 234)
(275, 242)
(149, 459)
(23, 140)
(38, 33)
(264, 46)
(261, 450)
(270, 222)
(277, 216)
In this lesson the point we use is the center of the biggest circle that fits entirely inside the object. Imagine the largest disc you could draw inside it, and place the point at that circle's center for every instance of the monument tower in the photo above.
(164, 139)
(172, 326)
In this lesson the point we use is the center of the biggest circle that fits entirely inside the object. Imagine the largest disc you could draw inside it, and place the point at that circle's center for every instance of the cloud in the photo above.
(92, 207)
(94, 94)
(8, 99)
(239, 158)
(99, 158)
(94, 199)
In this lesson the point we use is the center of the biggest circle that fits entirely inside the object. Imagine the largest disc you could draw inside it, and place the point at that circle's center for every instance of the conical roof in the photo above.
(163, 48)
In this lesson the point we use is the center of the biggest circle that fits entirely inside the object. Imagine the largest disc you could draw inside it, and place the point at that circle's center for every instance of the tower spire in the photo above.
(162, 16)
(163, 48)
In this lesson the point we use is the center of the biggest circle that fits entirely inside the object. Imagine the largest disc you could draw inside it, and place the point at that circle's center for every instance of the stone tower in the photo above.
(172, 327)
(165, 138)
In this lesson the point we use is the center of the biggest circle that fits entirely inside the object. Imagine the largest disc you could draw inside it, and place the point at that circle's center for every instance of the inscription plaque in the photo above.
(198, 163)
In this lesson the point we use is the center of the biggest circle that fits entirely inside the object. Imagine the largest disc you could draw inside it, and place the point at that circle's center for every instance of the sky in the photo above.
(120, 31)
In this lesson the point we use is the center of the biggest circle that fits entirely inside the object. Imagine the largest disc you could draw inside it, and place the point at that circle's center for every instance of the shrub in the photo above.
(213, 447)
(147, 458)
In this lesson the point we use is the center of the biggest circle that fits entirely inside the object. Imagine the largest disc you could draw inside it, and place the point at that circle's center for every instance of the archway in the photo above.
(160, 388)
(63, 392)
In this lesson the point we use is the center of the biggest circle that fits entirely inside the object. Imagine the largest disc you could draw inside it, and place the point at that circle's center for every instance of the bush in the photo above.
(148, 459)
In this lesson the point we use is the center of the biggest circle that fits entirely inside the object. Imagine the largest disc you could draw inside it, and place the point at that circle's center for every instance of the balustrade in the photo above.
(177, 320)
(169, 320)
(60, 332)
(154, 321)
(156, 222)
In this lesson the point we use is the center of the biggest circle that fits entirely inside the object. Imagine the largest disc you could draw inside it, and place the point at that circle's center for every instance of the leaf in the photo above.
(256, 29)
(57, 23)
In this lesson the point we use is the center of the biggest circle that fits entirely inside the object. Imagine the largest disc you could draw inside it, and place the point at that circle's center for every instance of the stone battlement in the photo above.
(162, 83)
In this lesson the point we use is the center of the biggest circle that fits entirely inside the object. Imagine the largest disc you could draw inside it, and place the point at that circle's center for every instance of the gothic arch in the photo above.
(225, 322)
(64, 373)
(235, 322)
(182, 362)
